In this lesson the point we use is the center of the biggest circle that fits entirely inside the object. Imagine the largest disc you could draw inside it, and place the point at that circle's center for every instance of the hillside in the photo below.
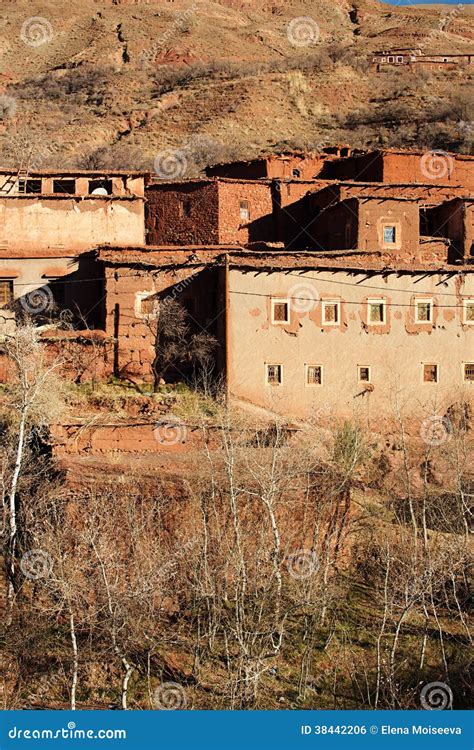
(114, 83)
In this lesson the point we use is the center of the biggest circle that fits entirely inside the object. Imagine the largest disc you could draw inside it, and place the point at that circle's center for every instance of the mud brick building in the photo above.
(416, 58)
(48, 220)
(339, 279)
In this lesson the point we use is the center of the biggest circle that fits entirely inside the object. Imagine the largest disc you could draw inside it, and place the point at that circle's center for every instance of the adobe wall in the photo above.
(428, 168)
(135, 333)
(167, 223)
(236, 231)
(404, 215)
(29, 224)
(395, 351)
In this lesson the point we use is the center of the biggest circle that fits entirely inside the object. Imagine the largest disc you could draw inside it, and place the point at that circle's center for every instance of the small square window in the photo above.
(363, 373)
(469, 311)
(100, 187)
(423, 311)
(430, 373)
(186, 207)
(244, 210)
(314, 375)
(330, 313)
(146, 305)
(280, 311)
(6, 293)
(29, 186)
(468, 372)
(376, 311)
(274, 374)
(389, 235)
(64, 186)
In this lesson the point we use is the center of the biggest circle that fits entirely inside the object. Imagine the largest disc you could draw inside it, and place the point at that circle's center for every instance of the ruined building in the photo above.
(342, 280)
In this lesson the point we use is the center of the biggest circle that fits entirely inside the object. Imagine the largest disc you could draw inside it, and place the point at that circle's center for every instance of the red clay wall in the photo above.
(233, 230)
(182, 214)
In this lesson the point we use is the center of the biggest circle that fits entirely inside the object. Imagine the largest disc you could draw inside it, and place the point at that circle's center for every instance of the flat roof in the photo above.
(72, 172)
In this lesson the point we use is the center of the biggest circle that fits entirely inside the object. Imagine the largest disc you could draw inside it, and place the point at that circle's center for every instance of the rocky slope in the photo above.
(116, 83)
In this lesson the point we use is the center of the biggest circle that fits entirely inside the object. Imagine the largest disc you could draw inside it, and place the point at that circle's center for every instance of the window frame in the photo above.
(377, 301)
(390, 243)
(280, 301)
(364, 367)
(324, 304)
(464, 366)
(430, 364)
(245, 208)
(67, 180)
(423, 301)
(29, 181)
(306, 370)
(469, 302)
(11, 294)
(271, 383)
(139, 297)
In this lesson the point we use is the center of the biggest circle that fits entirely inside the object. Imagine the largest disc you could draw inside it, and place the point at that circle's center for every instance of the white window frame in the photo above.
(306, 382)
(438, 373)
(280, 301)
(139, 297)
(324, 304)
(364, 367)
(424, 301)
(464, 365)
(377, 301)
(244, 208)
(467, 303)
(386, 242)
(273, 364)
